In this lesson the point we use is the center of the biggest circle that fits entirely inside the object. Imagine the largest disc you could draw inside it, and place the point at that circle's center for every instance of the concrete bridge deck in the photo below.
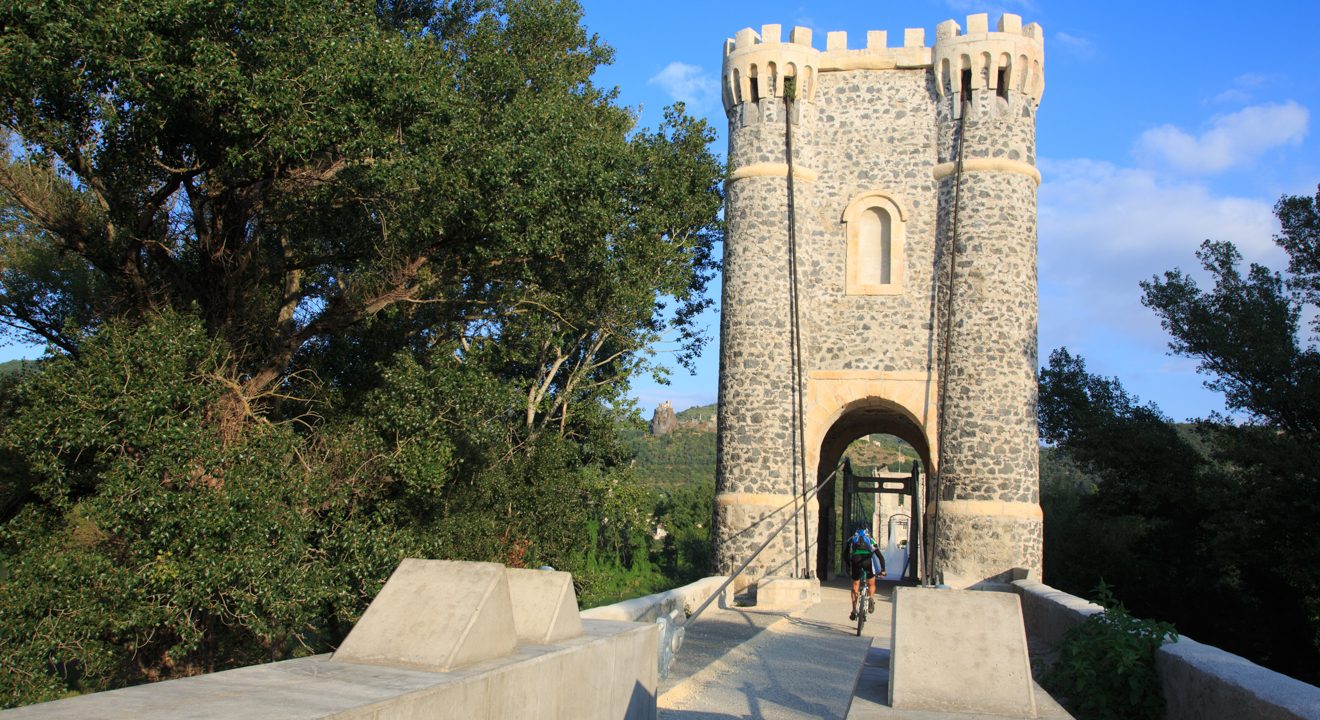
(744, 663)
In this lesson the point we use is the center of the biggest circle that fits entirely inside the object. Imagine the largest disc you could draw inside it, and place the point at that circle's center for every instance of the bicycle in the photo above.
(863, 596)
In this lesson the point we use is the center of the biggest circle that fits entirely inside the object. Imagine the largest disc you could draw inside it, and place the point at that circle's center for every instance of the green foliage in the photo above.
(682, 458)
(1212, 520)
(685, 515)
(1106, 665)
(15, 367)
(153, 541)
(325, 287)
(698, 414)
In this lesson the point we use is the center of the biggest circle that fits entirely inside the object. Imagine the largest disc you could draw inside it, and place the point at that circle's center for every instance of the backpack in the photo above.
(858, 545)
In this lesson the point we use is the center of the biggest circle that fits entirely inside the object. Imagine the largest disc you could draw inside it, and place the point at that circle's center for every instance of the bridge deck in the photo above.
(740, 663)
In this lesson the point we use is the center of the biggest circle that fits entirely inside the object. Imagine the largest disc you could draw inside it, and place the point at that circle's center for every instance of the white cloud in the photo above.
(1232, 96)
(1241, 90)
(1075, 45)
(689, 84)
(1232, 140)
(1104, 229)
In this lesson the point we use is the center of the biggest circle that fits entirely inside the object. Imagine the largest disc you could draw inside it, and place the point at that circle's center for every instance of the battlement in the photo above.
(756, 64)
(1010, 58)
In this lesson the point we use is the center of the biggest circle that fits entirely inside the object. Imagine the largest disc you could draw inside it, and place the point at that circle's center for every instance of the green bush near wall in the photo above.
(1106, 665)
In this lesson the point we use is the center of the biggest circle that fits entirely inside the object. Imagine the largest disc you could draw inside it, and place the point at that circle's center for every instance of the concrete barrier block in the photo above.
(532, 693)
(544, 606)
(1202, 682)
(959, 651)
(435, 615)
(785, 593)
(634, 676)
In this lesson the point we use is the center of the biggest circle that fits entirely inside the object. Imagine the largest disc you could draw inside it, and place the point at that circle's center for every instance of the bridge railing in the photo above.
(1200, 682)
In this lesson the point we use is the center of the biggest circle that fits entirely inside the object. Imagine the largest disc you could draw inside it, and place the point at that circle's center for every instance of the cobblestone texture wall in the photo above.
(990, 450)
(882, 131)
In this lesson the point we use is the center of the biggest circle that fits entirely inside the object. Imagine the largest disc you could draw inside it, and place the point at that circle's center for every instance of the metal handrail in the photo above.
(805, 499)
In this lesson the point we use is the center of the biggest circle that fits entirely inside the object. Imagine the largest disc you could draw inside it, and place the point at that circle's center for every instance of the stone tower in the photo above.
(848, 304)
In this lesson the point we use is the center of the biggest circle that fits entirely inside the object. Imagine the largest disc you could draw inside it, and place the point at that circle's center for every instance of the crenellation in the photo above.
(772, 34)
(745, 39)
(914, 38)
(877, 40)
(836, 40)
(801, 36)
(978, 24)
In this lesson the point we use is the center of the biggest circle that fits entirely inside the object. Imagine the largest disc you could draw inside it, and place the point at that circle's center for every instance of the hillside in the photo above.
(13, 367)
(687, 455)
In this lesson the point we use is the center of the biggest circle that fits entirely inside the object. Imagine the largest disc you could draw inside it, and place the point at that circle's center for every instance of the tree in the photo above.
(1211, 521)
(324, 286)
(1245, 335)
(289, 170)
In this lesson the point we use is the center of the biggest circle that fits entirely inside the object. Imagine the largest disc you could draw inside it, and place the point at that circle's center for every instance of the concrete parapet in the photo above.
(786, 593)
(606, 673)
(1206, 683)
(1050, 613)
(668, 611)
(1200, 682)
(652, 607)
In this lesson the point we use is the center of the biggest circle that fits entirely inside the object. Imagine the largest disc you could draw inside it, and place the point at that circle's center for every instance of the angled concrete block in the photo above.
(959, 651)
(435, 615)
(786, 593)
(544, 606)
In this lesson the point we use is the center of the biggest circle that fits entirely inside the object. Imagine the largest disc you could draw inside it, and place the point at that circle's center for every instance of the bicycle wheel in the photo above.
(861, 611)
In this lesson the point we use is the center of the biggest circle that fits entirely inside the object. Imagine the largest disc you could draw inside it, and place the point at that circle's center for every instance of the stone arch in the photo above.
(875, 410)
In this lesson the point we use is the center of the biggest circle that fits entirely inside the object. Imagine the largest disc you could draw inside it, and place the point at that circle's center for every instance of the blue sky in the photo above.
(1162, 124)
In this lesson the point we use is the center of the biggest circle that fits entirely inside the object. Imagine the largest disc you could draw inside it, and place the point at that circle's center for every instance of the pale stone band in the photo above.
(773, 170)
(992, 508)
(944, 170)
(773, 500)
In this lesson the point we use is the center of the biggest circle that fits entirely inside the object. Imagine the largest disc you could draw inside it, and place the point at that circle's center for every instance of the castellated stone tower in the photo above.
(878, 158)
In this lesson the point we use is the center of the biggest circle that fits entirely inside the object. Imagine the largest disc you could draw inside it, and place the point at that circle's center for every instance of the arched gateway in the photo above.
(880, 277)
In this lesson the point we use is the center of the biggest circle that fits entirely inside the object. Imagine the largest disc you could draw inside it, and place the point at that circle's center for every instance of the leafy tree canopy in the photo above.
(292, 169)
(1217, 521)
(326, 285)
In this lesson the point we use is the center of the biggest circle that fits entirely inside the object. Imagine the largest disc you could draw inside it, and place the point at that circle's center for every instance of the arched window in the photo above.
(874, 223)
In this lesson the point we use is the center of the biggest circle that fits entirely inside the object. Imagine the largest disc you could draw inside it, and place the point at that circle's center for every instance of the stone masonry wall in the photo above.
(988, 517)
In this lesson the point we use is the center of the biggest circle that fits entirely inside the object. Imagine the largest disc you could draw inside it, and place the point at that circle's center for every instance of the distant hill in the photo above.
(686, 456)
(700, 414)
(14, 367)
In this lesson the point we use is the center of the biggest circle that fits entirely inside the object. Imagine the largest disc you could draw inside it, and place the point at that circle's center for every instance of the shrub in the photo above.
(1106, 666)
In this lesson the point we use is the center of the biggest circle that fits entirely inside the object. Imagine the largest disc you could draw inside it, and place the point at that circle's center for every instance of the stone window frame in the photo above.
(885, 202)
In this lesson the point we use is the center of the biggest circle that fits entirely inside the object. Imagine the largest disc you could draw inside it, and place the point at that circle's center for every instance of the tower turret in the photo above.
(986, 511)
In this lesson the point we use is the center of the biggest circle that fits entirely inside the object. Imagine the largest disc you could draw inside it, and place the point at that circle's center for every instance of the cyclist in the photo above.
(863, 554)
